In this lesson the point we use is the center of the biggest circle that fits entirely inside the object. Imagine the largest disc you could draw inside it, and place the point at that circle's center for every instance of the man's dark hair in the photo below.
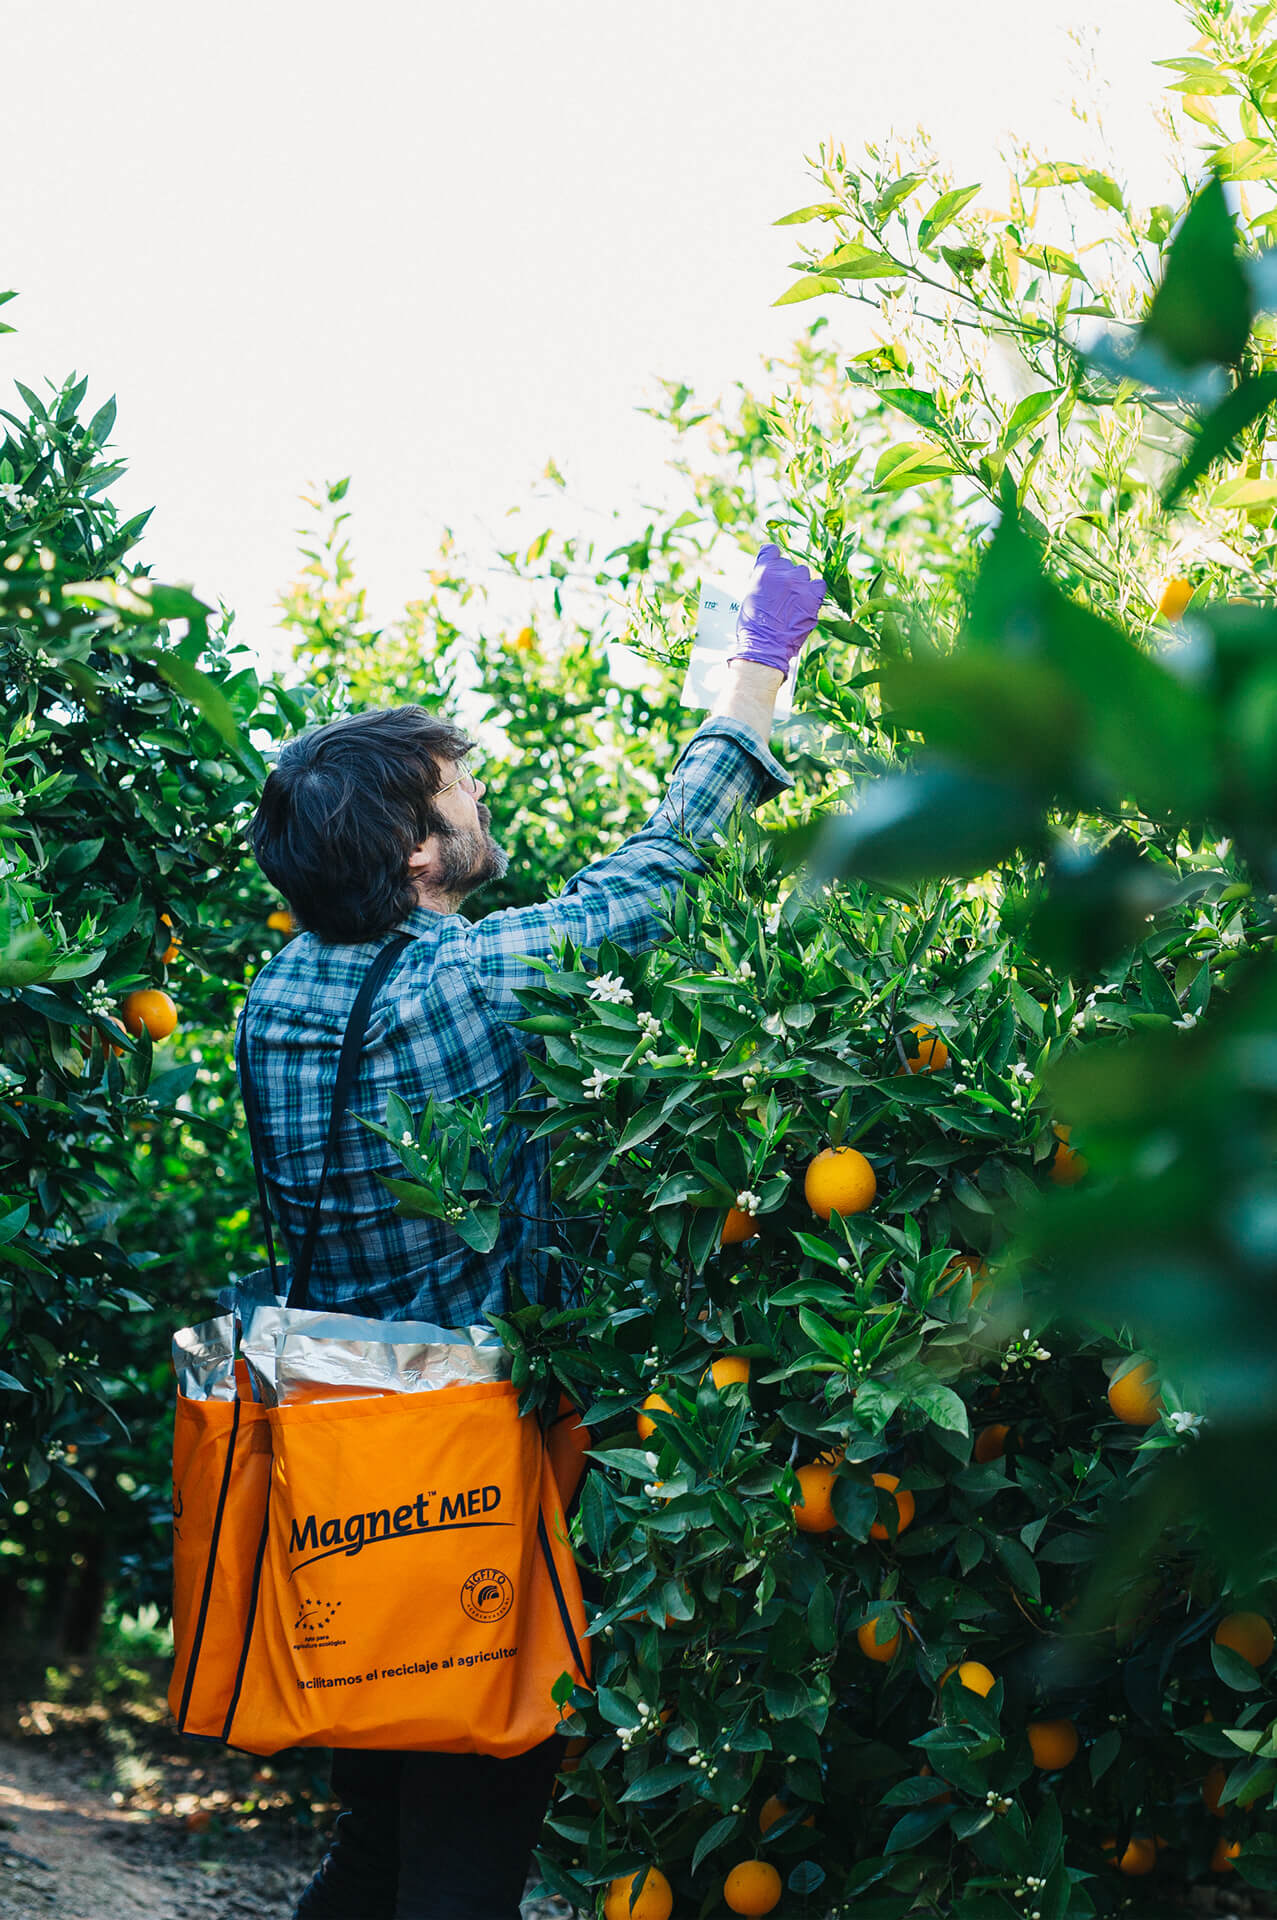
(341, 811)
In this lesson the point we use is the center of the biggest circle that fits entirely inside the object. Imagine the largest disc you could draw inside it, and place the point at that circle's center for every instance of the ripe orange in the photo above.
(281, 921)
(976, 1677)
(904, 1506)
(199, 1821)
(1134, 1397)
(170, 952)
(525, 640)
(738, 1226)
(647, 1427)
(775, 1809)
(965, 1263)
(1213, 1784)
(772, 1810)
(839, 1178)
(92, 1034)
(732, 1370)
(932, 1052)
(1067, 1165)
(1226, 1851)
(150, 1008)
(990, 1443)
(654, 1901)
(752, 1887)
(873, 1648)
(1248, 1634)
(814, 1513)
(1140, 1855)
(1054, 1743)
(1175, 596)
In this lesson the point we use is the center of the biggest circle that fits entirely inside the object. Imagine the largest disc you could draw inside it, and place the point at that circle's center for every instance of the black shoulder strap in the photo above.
(347, 1067)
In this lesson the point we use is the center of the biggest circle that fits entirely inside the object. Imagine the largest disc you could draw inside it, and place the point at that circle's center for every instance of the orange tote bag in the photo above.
(379, 1569)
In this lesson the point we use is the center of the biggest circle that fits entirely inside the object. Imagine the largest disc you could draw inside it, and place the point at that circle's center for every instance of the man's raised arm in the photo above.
(727, 763)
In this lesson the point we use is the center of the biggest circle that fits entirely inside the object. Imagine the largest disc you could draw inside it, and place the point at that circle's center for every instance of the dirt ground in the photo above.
(106, 1814)
(67, 1849)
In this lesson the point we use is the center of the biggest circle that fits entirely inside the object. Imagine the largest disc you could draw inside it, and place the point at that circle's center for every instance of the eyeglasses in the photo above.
(466, 781)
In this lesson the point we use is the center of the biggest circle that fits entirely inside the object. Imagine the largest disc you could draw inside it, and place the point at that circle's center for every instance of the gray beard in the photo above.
(468, 860)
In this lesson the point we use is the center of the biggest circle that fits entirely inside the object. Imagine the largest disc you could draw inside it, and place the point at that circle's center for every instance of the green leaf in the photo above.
(195, 686)
(858, 262)
(914, 1827)
(1033, 408)
(1053, 260)
(1063, 173)
(898, 191)
(164, 1088)
(909, 464)
(1104, 1752)
(818, 1249)
(942, 1406)
(1219, 435)
(916, 405)
(1105, 188)
(821, 210)
(810, 1293)
(657, 1781)
(416, 1201)
(102, 422)
(855, 1505)
(944, 212)
(1203, 309)
(1019, 1563)
(1233, 496)
(617, 1708)
(715, 1837)
(907, 826)
(86, 1486)
(13, 1223)
(1233, 1670)
(810, 287)
(643, 1124)
(479, 1229)
(835, 1344)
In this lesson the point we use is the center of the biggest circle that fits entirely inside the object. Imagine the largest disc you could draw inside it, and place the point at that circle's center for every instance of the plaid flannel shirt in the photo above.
(440, 1025)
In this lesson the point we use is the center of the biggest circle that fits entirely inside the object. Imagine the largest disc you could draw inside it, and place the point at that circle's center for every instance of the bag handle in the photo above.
(347, 1066)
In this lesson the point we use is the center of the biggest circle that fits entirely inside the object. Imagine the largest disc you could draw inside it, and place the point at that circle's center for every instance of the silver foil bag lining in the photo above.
(296, 1353)
(308, 1368)
(204, 1359)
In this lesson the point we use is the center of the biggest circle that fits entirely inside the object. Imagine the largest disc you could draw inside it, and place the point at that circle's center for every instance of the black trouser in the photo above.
(431, 1836)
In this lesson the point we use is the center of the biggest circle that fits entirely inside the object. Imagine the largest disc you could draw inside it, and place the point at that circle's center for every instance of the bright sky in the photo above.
(430, 246)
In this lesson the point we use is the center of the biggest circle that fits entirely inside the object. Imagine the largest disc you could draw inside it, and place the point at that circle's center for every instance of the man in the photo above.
(370, 826)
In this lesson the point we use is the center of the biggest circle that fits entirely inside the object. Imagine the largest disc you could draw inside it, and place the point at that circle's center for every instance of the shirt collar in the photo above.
(421, 921)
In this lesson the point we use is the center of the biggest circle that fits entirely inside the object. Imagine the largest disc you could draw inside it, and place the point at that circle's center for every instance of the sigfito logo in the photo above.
(488, 1595)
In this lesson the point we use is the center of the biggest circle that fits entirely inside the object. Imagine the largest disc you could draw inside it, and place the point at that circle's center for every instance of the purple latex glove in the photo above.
(778, 611)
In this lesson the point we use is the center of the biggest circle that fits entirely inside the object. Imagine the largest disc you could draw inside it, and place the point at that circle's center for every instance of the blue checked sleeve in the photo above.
(618, 897)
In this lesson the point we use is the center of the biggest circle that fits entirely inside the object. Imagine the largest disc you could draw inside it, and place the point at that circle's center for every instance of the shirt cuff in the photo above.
(775, 778)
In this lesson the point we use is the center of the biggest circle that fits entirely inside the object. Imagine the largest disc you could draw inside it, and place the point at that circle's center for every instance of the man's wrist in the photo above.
(753, 675)
(748, 695)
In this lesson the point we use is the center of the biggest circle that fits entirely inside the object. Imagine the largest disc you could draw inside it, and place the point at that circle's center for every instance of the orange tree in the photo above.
(918, 1469)
(972, 1722)
(125, 770)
